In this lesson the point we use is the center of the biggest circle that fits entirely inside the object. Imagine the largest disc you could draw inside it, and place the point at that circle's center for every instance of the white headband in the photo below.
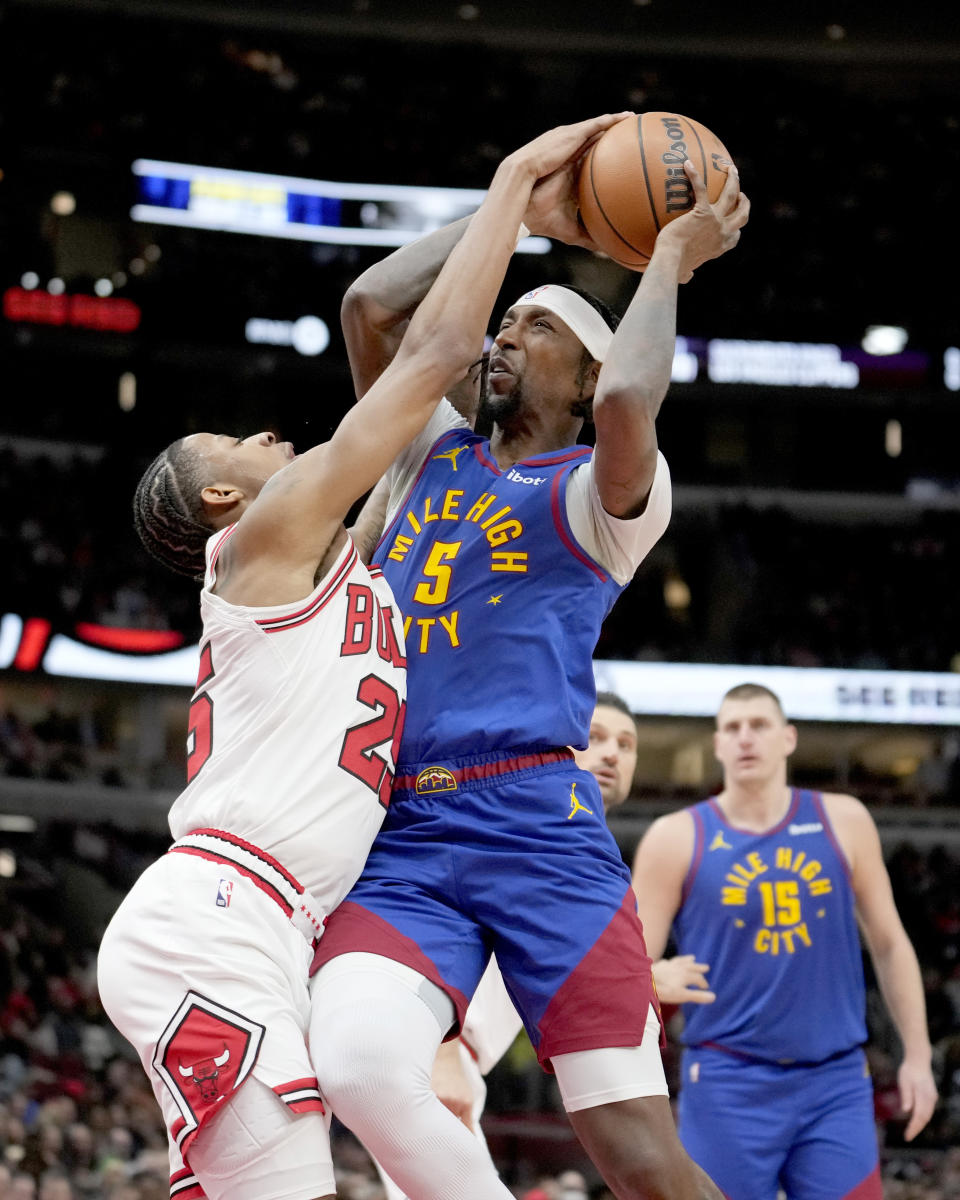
(579, 314)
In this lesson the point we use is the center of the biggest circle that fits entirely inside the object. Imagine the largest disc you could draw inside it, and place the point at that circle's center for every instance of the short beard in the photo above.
(501, 410)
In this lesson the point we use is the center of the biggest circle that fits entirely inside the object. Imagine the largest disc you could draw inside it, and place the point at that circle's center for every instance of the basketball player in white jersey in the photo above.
(292, 734)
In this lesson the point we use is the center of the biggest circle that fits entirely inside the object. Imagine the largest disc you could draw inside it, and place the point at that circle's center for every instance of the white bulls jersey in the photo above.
(295, 721)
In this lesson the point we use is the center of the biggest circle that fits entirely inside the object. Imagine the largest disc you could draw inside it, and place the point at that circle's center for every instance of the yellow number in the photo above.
(781, 902)
(435, 569)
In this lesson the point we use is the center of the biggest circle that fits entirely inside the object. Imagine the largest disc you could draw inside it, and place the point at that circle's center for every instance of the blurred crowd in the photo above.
(734, 584)
(78, 1121)
(375, 110)
(68, 546)
(764, 585)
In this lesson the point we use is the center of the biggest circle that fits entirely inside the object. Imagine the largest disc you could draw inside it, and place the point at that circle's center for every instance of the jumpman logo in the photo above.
(718, 843)
(575, 805)
(451, 454)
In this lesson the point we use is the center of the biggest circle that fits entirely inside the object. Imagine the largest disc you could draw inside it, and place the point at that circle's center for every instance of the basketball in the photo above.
(632, 181)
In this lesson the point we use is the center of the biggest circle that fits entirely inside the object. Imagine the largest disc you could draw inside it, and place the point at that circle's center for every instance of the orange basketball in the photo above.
(632, 181)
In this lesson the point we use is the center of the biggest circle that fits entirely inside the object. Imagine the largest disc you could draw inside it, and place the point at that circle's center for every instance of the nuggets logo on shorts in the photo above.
(435, 779)
(204, 1053)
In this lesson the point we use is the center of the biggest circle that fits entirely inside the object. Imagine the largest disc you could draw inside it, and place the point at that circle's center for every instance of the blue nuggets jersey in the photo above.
(502, 608)
(773, 915)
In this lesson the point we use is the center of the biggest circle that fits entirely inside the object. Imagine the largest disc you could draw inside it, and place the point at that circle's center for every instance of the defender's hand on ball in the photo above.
(563, 146)
(553, 209)
(708, 230)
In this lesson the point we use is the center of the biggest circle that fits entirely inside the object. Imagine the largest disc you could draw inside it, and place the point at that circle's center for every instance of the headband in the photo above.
(579, 314)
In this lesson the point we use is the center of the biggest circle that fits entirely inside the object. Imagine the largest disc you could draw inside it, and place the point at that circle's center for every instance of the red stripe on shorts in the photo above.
(605, 999)
(490, 770)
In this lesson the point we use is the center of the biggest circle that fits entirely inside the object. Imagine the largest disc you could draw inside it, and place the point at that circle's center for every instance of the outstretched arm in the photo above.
(636, 372)
(283, 535)
(378, 305)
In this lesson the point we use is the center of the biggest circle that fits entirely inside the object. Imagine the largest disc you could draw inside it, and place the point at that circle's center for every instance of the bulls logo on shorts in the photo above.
(203, 1055)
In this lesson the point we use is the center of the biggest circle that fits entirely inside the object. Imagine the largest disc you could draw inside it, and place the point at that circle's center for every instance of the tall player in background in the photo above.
(294, 726)
(506, 555)
(766, 883)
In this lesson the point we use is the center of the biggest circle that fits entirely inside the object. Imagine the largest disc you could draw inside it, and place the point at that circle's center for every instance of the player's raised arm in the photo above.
(636, 371)
(378, 305)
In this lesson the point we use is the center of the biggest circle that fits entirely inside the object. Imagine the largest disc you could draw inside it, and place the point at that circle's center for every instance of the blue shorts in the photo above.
(756, 1127)
(512, 855)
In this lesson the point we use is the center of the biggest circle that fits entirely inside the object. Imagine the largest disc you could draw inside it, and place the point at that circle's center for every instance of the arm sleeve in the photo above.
(619, 546)
(405, 466)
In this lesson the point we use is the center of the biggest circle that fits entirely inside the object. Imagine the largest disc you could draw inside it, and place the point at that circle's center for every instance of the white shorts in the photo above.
(206, 976)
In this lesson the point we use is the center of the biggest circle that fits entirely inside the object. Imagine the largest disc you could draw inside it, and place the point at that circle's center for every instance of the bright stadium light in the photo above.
(884, 339)
(308, 210)
(951, 368)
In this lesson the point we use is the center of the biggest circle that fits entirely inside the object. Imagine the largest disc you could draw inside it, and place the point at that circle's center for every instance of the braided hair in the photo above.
(168, 511)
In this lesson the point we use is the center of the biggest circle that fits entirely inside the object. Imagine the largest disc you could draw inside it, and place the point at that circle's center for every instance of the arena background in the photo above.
(812, 430)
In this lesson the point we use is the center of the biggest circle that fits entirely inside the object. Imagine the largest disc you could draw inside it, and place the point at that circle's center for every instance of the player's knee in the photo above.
(373, 1041)
(255, 1140)
(363, 1067)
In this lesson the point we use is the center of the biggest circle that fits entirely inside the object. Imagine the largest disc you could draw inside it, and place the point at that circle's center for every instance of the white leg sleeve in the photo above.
(472, 1072)
(374, 1031)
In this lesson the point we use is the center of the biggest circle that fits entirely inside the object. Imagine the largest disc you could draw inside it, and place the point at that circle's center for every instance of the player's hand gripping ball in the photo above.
(632, 181)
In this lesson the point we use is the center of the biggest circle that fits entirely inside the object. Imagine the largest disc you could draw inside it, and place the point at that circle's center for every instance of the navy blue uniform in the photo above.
(775, 1090)
(494, 839)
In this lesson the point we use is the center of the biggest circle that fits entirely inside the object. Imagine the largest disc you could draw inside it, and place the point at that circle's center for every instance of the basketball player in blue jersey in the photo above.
(491, 1023)
(505, 555)
(767, 884)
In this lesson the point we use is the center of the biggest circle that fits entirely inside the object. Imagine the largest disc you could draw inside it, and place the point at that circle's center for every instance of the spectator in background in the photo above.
(55, 1185)
(23, 1186)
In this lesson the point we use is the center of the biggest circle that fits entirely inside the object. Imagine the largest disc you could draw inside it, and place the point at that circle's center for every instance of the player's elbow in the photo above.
(621, 400)
(355, 305)
(443, 353)
(362, 310)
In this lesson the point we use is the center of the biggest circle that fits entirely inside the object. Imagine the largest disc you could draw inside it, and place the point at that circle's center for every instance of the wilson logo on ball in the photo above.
(632, 181)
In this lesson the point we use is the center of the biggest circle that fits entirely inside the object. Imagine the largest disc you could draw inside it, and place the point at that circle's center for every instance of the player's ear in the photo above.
(222, 500)
(790, 739)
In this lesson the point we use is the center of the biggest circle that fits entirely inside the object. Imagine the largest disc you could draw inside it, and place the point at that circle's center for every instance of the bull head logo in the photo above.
(205, 1073)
